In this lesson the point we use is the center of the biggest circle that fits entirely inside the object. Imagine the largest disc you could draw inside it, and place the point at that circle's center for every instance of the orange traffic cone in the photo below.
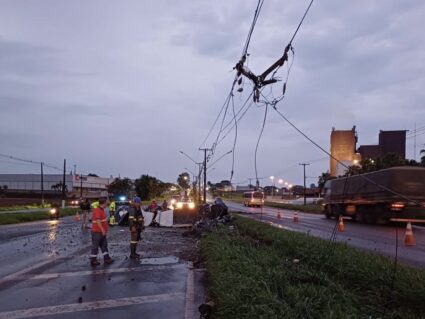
(295, 220)
(279, 216)
(341, 226)
(77, 217)
(409, 240)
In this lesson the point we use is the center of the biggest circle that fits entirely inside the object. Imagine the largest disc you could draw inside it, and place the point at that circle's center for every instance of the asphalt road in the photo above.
(376, 238)
(45, 273)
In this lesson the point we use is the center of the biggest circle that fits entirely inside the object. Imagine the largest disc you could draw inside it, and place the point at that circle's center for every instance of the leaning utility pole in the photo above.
(63, 184)
(304, 165)
(205, 171)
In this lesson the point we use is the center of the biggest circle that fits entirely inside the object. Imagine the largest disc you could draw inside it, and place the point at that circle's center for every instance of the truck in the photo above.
(397, 192)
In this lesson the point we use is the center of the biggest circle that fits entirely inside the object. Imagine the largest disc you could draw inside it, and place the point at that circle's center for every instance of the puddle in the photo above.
(159, 260)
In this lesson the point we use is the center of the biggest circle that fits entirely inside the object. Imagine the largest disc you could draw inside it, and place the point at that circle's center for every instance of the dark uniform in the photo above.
(137, 224)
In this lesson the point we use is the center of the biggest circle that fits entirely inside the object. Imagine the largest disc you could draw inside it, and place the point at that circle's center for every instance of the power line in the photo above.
(235, 140)
(258, 143)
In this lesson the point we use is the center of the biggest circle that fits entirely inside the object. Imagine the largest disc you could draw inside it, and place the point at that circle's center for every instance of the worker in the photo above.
(85, 210)
(153, 206)
(98, 234)
(112, 207)
(137, 224)
(164, 205)
(95, 204)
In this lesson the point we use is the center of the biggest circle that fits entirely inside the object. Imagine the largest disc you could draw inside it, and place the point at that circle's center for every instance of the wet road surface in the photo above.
(376, 238)
(45, 273)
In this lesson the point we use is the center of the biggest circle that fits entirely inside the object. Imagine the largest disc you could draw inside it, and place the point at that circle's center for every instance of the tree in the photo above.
(323, 179)
(58, 187)
(184, 180)
(149, 187)
(121, 186)
(423, 157)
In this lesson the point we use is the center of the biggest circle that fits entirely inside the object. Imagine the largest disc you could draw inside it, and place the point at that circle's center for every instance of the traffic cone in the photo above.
(77, 217)
(409, 240)
(341, 226)
(279, 216)
(295, 220)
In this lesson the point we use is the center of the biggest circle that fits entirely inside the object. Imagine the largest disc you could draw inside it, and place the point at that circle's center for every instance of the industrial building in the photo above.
(76, 185)
(390, 142)
(343, 148)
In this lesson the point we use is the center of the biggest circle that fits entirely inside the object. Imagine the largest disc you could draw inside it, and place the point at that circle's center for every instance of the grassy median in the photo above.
(258, 271)
(15, 218)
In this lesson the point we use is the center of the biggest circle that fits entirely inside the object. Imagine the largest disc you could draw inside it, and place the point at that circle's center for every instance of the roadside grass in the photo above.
(15, 218)
(23, 207)
(258, 271)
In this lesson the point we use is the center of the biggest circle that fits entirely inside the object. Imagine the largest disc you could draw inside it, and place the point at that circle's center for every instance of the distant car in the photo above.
(184, 204)
(54, 211)
(174, 199)
(75, 202)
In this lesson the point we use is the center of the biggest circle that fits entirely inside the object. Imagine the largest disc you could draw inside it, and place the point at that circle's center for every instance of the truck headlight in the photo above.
(53, 211)
(179, 205)
(191, 205)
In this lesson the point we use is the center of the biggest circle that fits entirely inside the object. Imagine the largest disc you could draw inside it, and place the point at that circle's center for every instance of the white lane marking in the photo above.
(17, 274)
(87, 306)
(190, 295)
(96, 272)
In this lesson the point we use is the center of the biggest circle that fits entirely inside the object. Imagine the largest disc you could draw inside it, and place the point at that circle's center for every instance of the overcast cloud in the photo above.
(119, 87)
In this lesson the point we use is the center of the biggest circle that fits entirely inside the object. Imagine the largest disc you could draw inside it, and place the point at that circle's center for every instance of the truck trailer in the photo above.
(397, 192)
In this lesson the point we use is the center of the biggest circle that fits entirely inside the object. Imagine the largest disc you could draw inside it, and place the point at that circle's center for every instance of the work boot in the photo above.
(107, 260)
(94, 262)
(133, 254)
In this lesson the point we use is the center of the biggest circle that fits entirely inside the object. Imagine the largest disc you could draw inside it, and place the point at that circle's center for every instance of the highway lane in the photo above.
(376, 238)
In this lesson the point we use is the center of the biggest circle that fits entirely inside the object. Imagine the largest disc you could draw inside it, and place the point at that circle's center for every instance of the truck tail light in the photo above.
(397, 206)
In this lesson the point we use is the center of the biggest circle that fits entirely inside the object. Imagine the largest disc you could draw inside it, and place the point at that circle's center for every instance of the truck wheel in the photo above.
(328, 212)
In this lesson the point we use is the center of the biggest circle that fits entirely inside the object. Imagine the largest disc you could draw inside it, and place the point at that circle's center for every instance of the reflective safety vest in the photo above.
(95, 204)
(112, 206)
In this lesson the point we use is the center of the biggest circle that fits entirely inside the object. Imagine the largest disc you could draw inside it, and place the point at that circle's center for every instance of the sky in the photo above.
(120, 87)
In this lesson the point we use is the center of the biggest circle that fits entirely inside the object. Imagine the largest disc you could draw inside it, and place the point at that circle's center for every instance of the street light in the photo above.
(280, 181)
(215, 162)
(183, 153)
(272, 179)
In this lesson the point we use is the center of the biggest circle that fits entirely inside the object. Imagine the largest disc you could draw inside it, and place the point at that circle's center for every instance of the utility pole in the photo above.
(42, 184)
(81, 185)
(205, 171)
(63, 184)
(199, 181)
(304, 165)
(414, 144)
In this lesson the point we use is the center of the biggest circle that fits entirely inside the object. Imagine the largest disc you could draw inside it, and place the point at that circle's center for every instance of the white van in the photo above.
(253, 199)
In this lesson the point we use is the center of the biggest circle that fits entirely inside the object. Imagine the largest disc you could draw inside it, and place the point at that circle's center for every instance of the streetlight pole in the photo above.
(42, 184)
(63, 184)
(304, 165)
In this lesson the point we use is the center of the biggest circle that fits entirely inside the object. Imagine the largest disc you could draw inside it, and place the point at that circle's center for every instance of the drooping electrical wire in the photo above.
(235, 140)
(258, 143)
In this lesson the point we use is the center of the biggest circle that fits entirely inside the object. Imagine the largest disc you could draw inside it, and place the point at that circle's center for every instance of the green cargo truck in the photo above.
(362, 198)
